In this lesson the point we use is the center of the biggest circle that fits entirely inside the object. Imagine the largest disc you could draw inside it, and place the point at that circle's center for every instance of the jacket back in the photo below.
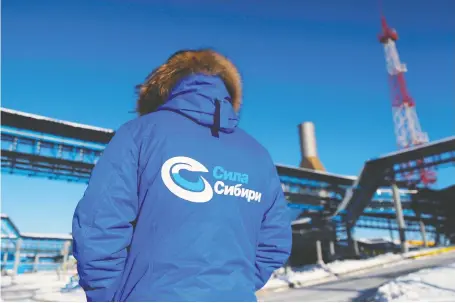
(183, 206)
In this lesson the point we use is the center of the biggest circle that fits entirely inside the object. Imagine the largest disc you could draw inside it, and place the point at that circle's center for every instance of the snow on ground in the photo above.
(77, 295)
(312, 273)
(29, 281)
(430, 285)
(346, 266)
(300, 275)
(46, 286)
(41, 286)
(276, 283)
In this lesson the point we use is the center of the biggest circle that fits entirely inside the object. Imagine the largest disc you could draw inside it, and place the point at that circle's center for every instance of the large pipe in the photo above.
(307, 140)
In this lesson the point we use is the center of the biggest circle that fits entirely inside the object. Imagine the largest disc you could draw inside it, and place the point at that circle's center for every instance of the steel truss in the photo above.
(311, 192)
(389, 224)
(402, 171)
(33, 154)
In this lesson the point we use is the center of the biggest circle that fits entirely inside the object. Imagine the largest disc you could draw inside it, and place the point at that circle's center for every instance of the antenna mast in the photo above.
(407, 126)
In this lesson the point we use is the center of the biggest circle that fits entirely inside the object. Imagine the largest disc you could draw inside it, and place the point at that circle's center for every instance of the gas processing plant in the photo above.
(393, 192)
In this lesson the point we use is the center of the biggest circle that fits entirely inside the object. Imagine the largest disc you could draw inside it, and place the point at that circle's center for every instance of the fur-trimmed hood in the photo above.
(156, 89)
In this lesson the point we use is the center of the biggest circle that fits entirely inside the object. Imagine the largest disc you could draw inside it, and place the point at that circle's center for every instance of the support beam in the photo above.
(332, 248)
(391, 230)
(400, 219)
(5, 260)
(437, 239)
(17, 256)
(65, 254)
(319, 252)
(286, 267)
(423, 233)
(351, 242)
(356, 248)
(36, 262)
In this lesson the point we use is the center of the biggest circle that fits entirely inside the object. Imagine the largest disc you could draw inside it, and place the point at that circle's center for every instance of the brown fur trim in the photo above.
(157, 86)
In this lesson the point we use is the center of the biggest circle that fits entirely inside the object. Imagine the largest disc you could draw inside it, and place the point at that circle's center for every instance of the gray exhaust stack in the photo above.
(308, 148)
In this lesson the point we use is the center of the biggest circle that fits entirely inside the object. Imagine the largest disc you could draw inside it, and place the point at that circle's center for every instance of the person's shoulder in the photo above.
(254, 144)
(145, 121)
(139, 128)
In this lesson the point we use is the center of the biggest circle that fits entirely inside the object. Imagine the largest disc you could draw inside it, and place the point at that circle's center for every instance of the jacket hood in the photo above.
(204, 99)
(173, 75)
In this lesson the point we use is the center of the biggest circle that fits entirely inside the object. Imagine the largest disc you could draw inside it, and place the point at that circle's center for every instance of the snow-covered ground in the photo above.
(41, 286)
(430, 285)
(297, 276)
(313, 273)
(346, 266)
(46, 286)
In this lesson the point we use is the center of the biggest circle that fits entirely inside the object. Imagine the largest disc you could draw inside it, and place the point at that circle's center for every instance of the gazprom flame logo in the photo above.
(199, 191)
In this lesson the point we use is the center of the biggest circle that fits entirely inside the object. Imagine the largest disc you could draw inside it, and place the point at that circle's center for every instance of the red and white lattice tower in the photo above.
(407, 127)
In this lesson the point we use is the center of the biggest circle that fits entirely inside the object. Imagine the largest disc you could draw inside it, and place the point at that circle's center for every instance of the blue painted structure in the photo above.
(48, 246)
(43, 147)
(387, 168)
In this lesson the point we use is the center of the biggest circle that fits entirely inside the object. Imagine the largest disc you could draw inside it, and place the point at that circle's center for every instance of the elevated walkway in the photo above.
(46, 125)
(377, 172)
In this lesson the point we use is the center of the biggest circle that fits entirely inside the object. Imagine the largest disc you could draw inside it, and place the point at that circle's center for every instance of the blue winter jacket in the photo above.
(182, 206)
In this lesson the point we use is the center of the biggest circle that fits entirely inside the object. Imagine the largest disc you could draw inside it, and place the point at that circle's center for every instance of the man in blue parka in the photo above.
(183, 205)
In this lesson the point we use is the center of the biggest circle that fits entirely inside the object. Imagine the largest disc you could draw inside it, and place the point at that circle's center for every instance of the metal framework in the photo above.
(389, 168)
(39, 146)
(302, 191)
(408, 131)
(404, 171)
(32, 154)
(60, 128)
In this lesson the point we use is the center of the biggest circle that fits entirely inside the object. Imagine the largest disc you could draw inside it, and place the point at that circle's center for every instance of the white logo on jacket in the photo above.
(200, 191)
(197, 192)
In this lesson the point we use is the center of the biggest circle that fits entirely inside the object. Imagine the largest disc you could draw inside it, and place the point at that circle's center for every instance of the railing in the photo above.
(21, 256)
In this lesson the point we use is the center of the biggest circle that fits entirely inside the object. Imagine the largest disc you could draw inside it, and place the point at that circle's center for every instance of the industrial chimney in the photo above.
(308, 149)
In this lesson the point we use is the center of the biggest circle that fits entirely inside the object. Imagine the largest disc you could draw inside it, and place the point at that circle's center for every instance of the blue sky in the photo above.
(315, 60)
